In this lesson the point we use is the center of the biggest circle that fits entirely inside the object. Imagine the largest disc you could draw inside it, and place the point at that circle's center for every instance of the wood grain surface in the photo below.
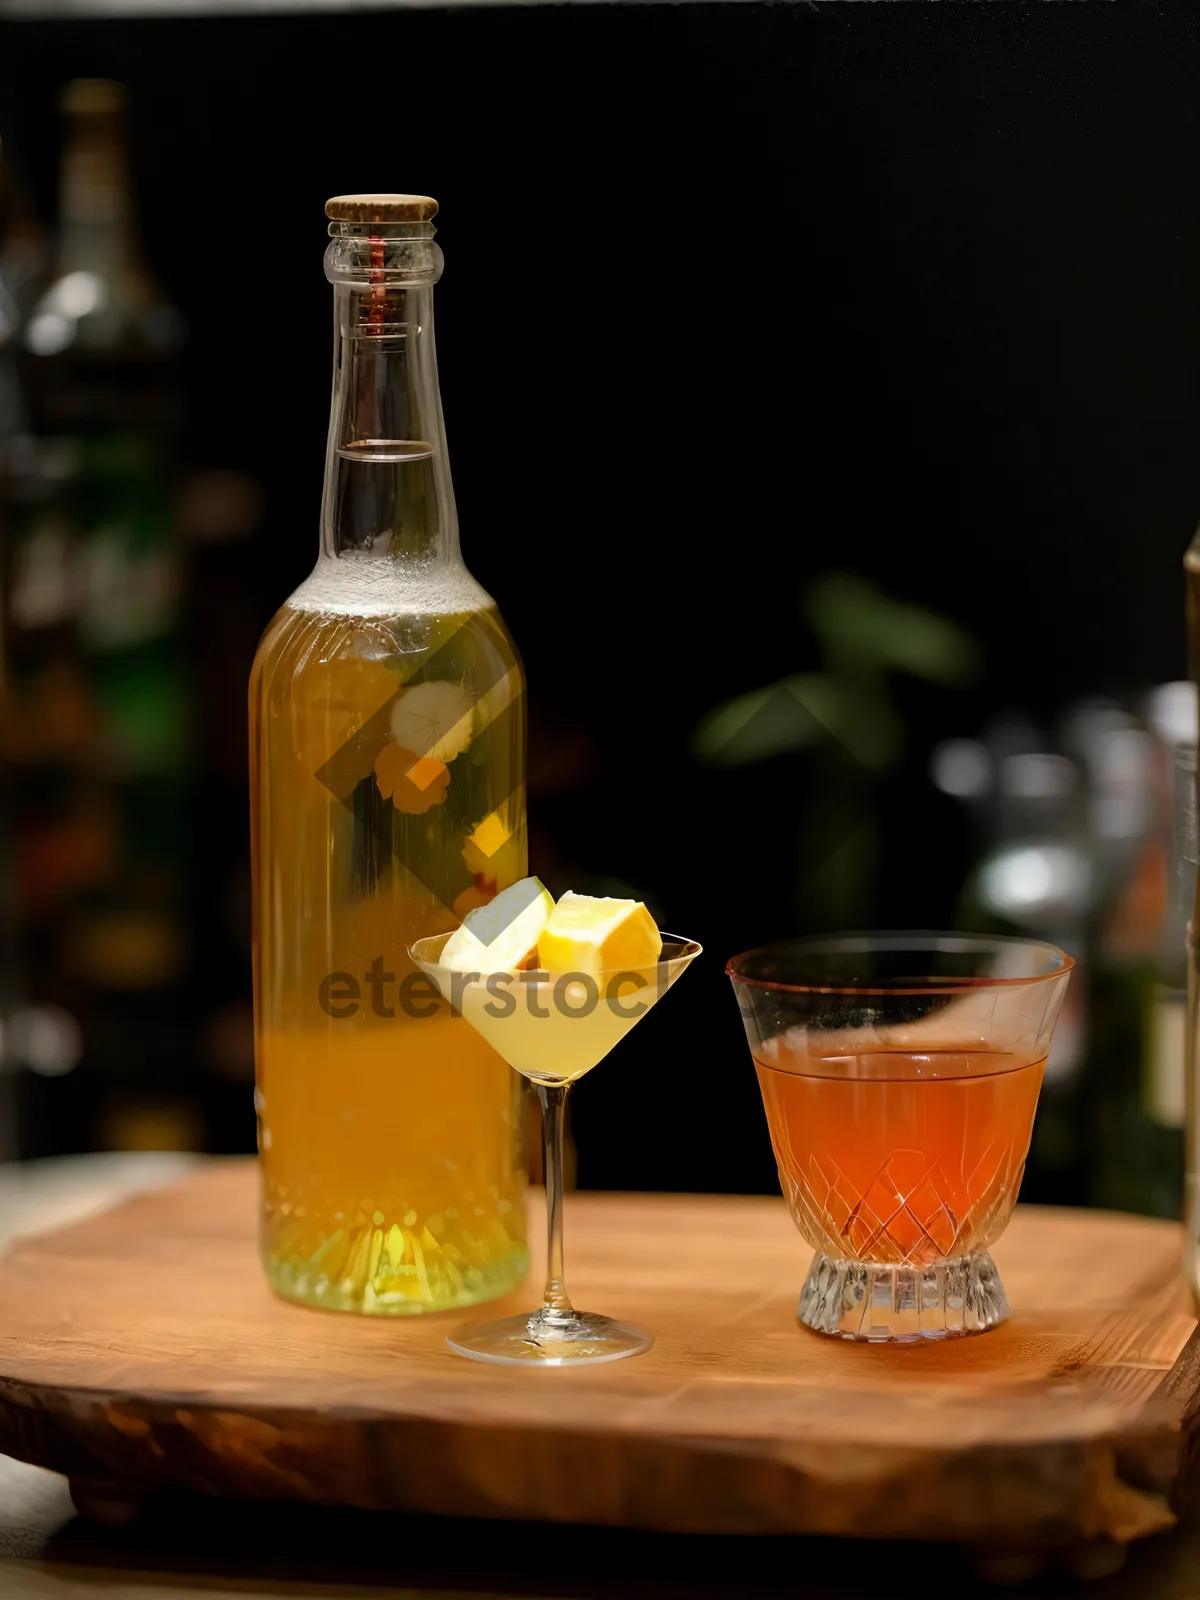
(193, 1547)
(143, 1347)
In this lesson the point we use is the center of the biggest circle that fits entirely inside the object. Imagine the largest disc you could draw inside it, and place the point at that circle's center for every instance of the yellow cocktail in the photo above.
(552, 1026)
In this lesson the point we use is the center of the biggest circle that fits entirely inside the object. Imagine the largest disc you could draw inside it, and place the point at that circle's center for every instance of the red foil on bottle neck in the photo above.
(375, 276)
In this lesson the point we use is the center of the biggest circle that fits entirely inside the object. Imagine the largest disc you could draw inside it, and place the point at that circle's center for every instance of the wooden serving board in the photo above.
(144, 1349)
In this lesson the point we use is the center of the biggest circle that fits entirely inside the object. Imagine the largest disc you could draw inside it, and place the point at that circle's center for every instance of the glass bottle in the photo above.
(388, 798)
(1037, 880)
(1135, 1155)
(16, 235)
(98, 723)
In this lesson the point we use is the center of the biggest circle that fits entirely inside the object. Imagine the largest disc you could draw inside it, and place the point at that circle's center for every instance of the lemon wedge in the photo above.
(594, 934)
(503, 935)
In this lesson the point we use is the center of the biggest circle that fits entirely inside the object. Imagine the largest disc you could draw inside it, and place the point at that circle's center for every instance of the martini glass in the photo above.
(552, 1027)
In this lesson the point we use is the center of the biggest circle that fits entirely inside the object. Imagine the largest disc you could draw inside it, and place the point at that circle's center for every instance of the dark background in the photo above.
(734, 296)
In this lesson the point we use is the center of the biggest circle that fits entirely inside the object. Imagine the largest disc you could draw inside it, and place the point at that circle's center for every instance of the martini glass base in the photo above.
(881, 1304)
(550, 1339)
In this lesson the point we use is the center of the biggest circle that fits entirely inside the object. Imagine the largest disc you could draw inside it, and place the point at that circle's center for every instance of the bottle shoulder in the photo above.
(352, 585)
(453, 631)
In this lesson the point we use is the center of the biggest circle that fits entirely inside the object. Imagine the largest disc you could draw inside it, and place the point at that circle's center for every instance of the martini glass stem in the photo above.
(553, 1096)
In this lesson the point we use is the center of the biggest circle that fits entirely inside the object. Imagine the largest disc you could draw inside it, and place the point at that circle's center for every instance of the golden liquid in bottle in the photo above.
(391, 1146)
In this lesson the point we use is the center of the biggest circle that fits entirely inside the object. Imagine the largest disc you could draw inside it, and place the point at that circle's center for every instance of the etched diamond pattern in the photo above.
(909, 1214)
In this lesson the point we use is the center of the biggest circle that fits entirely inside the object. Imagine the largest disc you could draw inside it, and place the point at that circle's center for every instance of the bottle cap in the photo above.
(381, 208)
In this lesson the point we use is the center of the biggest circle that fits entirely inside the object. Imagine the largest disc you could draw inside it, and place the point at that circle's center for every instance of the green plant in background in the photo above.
(845, 720)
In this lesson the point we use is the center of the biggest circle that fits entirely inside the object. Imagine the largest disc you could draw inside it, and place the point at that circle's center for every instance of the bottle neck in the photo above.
(388, 493)
(101, 304)
(95, 233)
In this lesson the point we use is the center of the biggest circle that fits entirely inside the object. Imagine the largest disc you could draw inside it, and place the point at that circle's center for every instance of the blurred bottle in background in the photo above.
(1172, 714)
(1132, 1108)
(24, 259)
(21, 257)
(1077, 848)
(96, 721)
(1036, 879)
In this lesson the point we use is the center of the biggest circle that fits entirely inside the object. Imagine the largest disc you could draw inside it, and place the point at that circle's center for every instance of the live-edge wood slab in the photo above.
(143, 1348)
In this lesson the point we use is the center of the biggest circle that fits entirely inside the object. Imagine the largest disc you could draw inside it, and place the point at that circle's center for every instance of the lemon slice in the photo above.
(593, 934)
(433, 718)
(503, 935)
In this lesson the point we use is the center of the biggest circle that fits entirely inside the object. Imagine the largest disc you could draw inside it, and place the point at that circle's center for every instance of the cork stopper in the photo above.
(381, 208)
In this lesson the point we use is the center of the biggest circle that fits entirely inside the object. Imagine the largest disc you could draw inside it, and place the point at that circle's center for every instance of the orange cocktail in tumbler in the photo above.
(900, 1076)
